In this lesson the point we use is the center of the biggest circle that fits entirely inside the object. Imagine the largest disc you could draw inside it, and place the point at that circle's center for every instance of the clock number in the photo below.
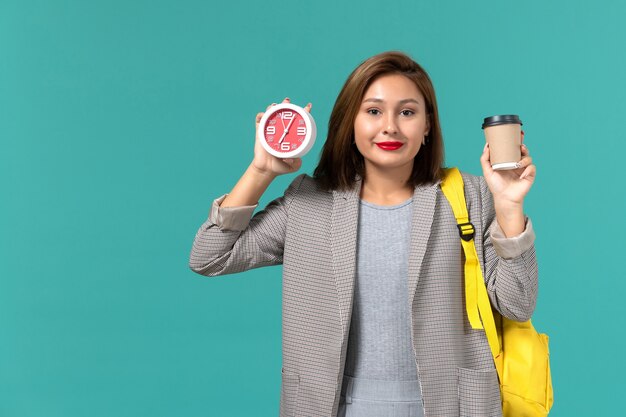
(271, 130)
(284, 146)
(288, 115)
(301, 131)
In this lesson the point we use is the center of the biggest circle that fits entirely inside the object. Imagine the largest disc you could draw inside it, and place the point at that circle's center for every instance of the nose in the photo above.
(390, 124)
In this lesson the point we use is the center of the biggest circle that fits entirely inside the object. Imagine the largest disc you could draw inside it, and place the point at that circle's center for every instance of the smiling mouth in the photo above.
(389, 146)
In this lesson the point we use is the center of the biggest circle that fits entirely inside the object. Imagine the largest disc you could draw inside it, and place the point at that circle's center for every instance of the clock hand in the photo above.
(284, 129)
(287, 130)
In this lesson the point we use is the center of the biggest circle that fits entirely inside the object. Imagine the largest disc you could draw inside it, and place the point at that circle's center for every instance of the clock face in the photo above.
(285, 130)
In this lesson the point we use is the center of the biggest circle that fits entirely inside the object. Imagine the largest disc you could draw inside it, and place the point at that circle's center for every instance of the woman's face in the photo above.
(393, 111)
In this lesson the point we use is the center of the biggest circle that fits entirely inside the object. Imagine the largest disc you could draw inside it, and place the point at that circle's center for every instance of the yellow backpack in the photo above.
(521, 355)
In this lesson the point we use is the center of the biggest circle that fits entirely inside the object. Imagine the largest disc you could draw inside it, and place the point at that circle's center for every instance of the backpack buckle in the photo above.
(466, 230)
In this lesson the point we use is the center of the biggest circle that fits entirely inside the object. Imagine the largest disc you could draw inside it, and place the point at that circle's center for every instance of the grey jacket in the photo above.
(313, 233)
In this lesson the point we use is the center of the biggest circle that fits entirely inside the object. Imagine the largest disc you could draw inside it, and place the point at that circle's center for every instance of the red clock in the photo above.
(287, 131)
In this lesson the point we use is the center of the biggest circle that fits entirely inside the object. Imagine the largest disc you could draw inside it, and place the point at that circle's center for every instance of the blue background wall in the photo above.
(120, 122)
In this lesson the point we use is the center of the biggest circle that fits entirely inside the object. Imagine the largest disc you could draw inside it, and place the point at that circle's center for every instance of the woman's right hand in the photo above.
(267, 163)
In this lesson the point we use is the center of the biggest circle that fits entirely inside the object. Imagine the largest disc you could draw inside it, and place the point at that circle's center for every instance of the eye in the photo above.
(407, 112)
(376, 111)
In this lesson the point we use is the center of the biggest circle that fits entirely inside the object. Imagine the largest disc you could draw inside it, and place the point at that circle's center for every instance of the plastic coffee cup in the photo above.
(504, 136)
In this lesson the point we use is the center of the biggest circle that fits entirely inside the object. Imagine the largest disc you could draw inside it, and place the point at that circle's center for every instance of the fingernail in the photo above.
(287, 99)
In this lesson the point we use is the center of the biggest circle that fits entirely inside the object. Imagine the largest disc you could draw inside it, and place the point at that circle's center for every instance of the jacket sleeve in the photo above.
(510, 264)
(229, 241)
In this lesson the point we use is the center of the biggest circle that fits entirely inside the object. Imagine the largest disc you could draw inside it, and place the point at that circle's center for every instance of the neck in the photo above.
(387, 185)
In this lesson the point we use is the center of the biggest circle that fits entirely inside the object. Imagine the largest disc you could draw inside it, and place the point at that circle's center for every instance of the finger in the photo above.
(286, 100)
(258, 117)
(529, 173)
(308, 107)
(268, 107)
(484, 161)
(524, 150)
(292, 163)
(522, 136)
(295, 165)
(524, 162)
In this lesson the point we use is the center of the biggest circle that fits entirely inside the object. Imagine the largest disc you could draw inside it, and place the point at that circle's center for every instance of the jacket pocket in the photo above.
(290, 385)
(479, 393)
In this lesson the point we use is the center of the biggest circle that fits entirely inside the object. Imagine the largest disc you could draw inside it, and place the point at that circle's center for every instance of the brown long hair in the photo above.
(340, 160)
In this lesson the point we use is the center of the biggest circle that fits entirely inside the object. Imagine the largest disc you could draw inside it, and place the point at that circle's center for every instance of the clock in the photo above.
(287, 131)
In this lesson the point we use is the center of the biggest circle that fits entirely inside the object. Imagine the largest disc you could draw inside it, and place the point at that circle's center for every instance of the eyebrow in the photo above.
(380, 100)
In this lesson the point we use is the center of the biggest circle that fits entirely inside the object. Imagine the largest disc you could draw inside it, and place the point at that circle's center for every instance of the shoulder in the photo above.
(471, 181)
(475, 186)
(477, 195)
(305, 187)
(309, 185)
(309, 205)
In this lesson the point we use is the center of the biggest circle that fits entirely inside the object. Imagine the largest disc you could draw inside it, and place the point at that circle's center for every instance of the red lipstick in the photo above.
(389, 146)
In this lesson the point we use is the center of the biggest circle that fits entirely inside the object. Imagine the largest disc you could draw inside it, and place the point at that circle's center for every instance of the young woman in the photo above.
(374, 319)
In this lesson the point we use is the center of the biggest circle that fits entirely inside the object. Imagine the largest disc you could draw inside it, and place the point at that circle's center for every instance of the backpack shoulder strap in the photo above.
(476, 298)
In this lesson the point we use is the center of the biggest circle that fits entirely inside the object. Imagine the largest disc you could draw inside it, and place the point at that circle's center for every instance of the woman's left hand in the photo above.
(509, 187)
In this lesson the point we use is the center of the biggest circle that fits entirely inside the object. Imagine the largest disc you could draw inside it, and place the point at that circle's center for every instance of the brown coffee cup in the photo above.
(504, 136)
